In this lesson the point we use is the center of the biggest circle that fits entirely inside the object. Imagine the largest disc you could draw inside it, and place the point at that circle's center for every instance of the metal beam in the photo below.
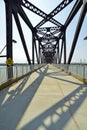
(9, 30)
(25, 18)
(85, 38)
(64, 39)
(9, 48)
(3, 49)
(60, 56)
(73, 12)
(39, 12)
(33, 40)
(39, 48)
(59, 8)
(46, 28)
(36, 52)
(78, 28)
(22, 36)
(3, 56)
(57, 50)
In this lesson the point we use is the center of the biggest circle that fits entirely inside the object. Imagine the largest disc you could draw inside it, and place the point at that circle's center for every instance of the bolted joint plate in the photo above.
(84, 1)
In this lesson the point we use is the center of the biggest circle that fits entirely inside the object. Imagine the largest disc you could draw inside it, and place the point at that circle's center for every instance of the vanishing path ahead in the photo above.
(48, 99)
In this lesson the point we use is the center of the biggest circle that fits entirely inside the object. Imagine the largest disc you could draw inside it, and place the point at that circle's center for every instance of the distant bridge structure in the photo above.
(49, 49)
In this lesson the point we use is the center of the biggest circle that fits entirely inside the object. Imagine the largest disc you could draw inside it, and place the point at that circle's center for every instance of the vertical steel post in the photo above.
(60, 57)
(33, 40)
(39, 51)
(64, 38)
(36, 52)
(58, 51)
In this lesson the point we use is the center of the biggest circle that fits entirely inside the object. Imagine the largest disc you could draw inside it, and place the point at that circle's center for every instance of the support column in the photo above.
(39, 50)
(33, 40)
(64, 47)
(36, 52)
(9, 50)
(60, 57)
(58, 52)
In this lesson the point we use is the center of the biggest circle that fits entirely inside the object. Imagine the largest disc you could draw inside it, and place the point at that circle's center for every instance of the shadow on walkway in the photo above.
(57, 117)
(12, 109)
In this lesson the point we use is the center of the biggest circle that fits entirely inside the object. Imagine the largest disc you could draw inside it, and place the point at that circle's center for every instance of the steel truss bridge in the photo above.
(49, 49)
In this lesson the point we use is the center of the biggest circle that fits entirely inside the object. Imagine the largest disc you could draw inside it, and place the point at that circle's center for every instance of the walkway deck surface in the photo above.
(48, 99)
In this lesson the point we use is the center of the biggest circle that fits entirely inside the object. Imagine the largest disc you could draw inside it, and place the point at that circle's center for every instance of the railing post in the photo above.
(16, 72)
(83, 71)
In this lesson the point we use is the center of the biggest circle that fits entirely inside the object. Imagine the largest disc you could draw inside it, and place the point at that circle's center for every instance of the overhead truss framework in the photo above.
(48, 43)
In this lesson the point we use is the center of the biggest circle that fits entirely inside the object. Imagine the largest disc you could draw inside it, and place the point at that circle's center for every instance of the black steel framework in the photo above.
(48, 43)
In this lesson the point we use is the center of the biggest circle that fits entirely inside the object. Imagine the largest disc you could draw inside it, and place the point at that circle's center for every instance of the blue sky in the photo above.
(47, 6)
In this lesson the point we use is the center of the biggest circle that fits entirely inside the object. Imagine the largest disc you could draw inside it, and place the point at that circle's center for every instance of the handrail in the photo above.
(77, 70)
(18, 71)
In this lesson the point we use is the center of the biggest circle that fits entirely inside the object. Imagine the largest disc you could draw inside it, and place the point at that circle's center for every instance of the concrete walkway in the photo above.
(48, 99)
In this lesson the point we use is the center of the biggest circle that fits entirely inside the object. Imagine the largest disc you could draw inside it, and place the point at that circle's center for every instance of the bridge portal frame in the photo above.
(14, 7)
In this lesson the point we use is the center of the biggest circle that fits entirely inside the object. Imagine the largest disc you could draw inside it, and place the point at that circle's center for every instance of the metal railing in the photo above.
(77, 69)
(18, 70)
